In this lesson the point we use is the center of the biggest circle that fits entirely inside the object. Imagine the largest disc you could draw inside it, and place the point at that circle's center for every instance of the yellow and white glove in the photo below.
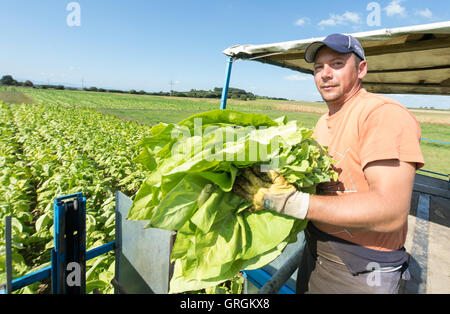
(271, 191)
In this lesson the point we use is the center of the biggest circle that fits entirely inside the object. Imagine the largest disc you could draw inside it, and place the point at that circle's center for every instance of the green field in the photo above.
(48, 151)
(151, 110)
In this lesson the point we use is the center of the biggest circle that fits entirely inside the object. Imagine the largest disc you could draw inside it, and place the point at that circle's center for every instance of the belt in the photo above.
(355, 257)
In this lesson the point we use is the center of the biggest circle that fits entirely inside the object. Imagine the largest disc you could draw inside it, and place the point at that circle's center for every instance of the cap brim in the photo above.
(311, 51)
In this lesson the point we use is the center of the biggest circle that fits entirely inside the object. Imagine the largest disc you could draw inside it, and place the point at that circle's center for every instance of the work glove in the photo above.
(271, 191)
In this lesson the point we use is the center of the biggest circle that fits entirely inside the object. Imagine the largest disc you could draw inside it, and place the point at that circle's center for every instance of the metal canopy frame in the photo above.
(404, 60)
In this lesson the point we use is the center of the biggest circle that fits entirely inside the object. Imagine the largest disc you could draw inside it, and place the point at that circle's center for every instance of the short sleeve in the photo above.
(390, 132)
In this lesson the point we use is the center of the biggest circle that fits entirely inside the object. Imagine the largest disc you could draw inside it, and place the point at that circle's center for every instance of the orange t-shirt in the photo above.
(367, 128)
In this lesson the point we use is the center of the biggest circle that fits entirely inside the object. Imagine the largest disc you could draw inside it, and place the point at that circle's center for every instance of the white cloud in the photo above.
(296, 77)
(394, 8)
(330, 22)
(425, 13)
(336, 19)
(302, 21)
(352, 17)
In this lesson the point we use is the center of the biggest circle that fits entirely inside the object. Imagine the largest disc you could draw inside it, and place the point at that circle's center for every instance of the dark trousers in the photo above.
(322, 271)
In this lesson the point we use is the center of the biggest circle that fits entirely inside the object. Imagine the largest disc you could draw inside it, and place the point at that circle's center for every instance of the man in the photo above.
(358, 224)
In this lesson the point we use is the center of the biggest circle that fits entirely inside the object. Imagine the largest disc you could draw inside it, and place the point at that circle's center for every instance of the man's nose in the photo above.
(327, 72)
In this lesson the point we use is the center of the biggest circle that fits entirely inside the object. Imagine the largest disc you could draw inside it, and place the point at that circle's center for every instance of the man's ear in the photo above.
(362, 69)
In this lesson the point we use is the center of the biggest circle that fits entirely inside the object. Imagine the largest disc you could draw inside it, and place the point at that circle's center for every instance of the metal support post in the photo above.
(69, 253)
(8, 257)
(71, 234)
(223, 102)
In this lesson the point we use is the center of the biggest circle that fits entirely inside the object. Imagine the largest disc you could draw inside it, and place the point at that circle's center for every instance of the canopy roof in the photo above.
(405, 60)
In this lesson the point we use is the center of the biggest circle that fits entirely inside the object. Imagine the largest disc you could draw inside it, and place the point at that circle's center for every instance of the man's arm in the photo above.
(384, 208)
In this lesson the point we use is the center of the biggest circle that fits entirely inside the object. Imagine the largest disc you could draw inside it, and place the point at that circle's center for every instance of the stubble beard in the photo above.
(330, 97)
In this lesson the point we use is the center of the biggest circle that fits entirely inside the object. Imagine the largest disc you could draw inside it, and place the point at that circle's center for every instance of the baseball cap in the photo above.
(338, 42)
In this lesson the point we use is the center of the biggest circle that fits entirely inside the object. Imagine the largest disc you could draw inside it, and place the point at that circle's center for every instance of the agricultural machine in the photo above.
(142, 256)
(408, 60)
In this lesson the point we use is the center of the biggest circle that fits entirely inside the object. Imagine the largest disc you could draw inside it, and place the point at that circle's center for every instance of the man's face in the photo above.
(337, 76)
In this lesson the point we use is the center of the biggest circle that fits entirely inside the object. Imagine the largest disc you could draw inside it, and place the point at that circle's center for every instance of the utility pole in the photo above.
(82, 83)
(171, 86)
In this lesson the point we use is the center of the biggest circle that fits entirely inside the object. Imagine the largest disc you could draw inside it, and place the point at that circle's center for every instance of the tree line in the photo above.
(233, 93)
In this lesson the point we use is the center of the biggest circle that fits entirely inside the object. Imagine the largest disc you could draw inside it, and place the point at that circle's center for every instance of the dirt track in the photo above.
(429, 111)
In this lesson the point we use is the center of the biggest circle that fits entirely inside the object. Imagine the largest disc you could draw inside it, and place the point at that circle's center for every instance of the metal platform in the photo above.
(428, 237)
(142, 255)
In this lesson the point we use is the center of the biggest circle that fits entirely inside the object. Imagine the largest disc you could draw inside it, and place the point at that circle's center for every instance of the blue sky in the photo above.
(145, 44)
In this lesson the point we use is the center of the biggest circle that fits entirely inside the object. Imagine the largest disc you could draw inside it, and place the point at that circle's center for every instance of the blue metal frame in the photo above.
(46, 272)
(69, 221)
(100, 250)
(58, 257)
(440, 142)
(31, 278)
(436, 173)
(8, 251)
(223, 101)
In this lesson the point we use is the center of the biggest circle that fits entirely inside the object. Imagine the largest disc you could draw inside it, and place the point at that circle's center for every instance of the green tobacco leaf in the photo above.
(179, 204)
(229, 117)
(224, 180)
(189, 190)
(146, 159)
(265, 230)
(43, 221)
(141, 208)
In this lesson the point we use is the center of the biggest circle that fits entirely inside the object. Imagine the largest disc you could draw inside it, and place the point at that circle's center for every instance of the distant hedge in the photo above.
(233, 93)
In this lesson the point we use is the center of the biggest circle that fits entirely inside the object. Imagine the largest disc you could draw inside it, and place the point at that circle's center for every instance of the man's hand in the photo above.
(253, 185)
(271, 191)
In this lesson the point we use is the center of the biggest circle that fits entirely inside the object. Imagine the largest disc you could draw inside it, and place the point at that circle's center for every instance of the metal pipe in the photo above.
(435, 141)
(436, 173)
(105, 248)
(47, 271)
(275, 283)
(223, 102)
(29, 279)
(8, 256)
